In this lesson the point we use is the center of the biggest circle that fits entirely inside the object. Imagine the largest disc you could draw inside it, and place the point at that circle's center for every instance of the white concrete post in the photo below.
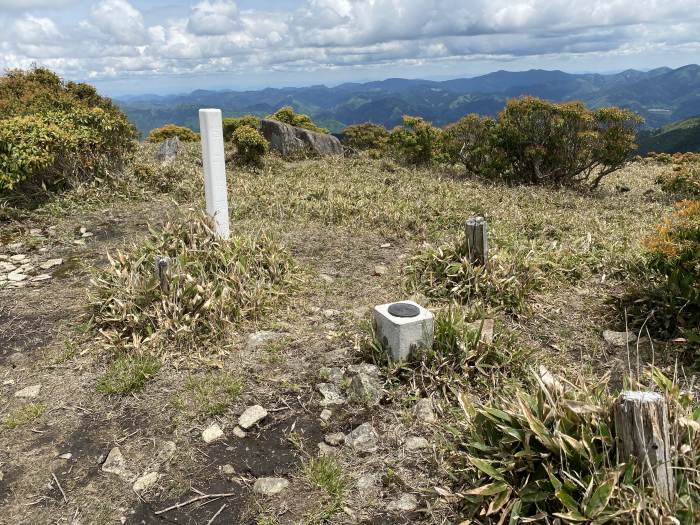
(215, 192)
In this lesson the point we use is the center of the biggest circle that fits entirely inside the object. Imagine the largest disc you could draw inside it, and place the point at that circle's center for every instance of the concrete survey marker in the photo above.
(403, 328)
(215, 192)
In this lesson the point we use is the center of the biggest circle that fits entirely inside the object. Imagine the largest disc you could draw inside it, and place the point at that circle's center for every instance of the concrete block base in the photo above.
(401, 336)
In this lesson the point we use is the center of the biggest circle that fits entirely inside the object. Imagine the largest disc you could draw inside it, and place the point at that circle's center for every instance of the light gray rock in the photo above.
(331, 374)
(416, 443)
(326, 450)
(380, 269)
(365, 389)
(251, 416)
(363, 368)
(331, 394)
(167, 151)
(270, 486)
(363, 439)
(16, 276)
(212, 433)
(116, 464)
(619, 338)
(424, 411)
(326, 278)
(367, 483)
(145, 482)
(239, 432)
(291, 140)
(19, 258)
(166, 452)
(486, 337)
(228, 470)
(39, 278)
(404, 503)
(326, 414)
(28, 392)
(50, 264)
(262, 338)
(335, 439)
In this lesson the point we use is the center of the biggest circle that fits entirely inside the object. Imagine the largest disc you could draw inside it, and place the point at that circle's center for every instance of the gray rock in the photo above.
(380, 269)
(424, 411)
(326, 414)
(270, 486)
(20, 257)
(326, 450)
(619, 338)
(116, 464)
(212, 433)
(331, 394)
(366, 389)
(367, 483)
(146, 481)
(291, 140)
(50, 264)
(239, 432)
(16, 276)
(251, 416)
(262, 338)
(166, 452)
(167, 151)
(405, 503)
(228, 470)
(335, 439)
(363, 368)
(330, 313)
(416, 443)
(30, 391)
(331, 374)
(326, 278)
(363, 439)
(39, 278)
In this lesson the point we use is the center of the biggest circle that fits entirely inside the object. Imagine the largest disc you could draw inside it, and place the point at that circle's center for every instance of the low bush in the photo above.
(471, 142)
(368, 136)
(213, 284)
(231, 124)
(251, 147)
(287, 115)
(415, 142)
(171, 130)
(683, 179)
(552, 455)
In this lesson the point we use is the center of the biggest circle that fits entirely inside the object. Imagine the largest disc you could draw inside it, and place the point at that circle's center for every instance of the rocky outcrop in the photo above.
(290, 140)
(167, 151)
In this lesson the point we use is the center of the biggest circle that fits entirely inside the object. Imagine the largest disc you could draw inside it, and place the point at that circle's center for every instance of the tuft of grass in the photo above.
(128, 373)
(209, 394)
(211, 284)
(24, 415)
(327, 474)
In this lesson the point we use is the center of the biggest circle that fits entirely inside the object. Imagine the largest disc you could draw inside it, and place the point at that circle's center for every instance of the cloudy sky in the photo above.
(166, 46)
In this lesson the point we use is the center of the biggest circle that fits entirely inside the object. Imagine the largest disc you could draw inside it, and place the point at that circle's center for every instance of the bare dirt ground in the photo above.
(51, 468)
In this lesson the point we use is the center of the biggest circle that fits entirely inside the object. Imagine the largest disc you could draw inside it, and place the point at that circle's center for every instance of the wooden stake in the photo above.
(641, 426)
(477, 237)
(162, 264)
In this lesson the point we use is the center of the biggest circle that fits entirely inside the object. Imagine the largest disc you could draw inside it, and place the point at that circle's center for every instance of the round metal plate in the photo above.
(404, 310)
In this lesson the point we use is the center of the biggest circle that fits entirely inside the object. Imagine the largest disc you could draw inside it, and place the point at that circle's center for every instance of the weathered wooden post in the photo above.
(215, 192)
(162, 264)
(477, 238)
(641, 426)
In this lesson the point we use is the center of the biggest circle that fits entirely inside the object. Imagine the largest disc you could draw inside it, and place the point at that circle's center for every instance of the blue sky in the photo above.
(168, 46)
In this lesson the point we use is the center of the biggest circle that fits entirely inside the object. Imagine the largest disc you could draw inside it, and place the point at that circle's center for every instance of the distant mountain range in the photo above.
(661, 96)
(682, 136)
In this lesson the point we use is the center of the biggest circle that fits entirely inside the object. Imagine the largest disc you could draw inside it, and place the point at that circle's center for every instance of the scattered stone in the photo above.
(335, 439)
(327, 278)
(65, 456)
(16, 277)
(366, 389)
(87, 234)
(146, 481)
(326, 450)
(15, 246)
(20, 257)
(83, 230)
(262, 338)
(270, 486)
(363, 439)
(30, 391)
(386, 245)
(79, 242)
(251, 416)
(363, 368)
(326, 414)
(50, 264)
(424, 411)
(212, 433)
(619, 338)
(115, 463)
(34, 231)
(2, 476)
(331, 374)
(486, 337)
(239, 432)
(405, 503)
(367, 483)
(379, 269)
(416, 443)
(7, 267)
(228, 470)
(39, 278)
(167, 451)
(330, 313)
(290, 140)
(331, 394)
(167, 151)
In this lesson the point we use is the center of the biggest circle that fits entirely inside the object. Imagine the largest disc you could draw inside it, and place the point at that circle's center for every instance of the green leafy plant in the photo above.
(472, 142)
(251, 147)
(128, 373)
(171, 130)
(231, 124)
(416, 142)
(24, 415)
(366, 136)
(287, 115)
(327, 474)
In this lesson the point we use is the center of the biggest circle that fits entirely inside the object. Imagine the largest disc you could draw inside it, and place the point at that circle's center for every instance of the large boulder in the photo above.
(167, 151)
(290, 140)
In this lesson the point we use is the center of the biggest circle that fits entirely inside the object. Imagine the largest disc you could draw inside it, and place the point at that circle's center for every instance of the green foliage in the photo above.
(52, 131)
(287, 115)
(209, 394)
(552, 453)
(128, 373)
(472, 142)
(251, 146)
(416, 142)
(171, 130)
(212, 285)
(232, 124)
(366, 136)
(24, 415)
(683, 178)
(326, 473)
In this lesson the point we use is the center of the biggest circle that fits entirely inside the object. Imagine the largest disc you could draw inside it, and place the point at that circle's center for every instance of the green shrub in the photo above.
(251, 146)
(472, 142)
(232, 124)
(128, 373)
(366, 136)
(171, 130)
(213, 284)
(287, 115)
(684, 177)
(416, 142)
(52, 131)
(551, 456)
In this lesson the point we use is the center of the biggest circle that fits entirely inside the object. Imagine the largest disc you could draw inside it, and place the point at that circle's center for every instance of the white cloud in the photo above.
(119, 20)
(34, 30)
(32, 4)
(213, 18)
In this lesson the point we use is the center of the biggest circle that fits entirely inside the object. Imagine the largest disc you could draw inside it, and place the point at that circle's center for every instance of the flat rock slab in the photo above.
(270, 486)
(146, 481)
(619, 338)
(212, 433)
(416, 443)
(251, 416)
(116, 464)
(424, 411)
(30, 391)
(366, 389)
(405, 503)
(50, 264)
(331, 393)
(262, 338)
(363, 439)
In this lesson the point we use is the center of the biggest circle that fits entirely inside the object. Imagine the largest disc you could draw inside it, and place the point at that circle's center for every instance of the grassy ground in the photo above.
(339, 219)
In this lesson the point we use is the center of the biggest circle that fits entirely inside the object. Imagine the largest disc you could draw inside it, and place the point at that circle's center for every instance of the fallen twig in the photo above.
(60, 487)
(215, 515)
(198, 498)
